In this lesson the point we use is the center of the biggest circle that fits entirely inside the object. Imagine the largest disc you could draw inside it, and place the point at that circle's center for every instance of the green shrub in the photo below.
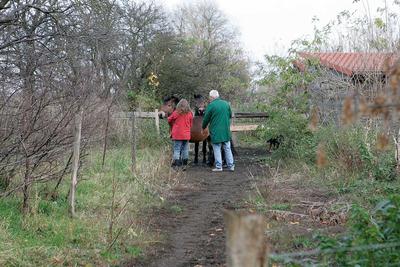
(373, 238)
(384, 167)
(293, 127)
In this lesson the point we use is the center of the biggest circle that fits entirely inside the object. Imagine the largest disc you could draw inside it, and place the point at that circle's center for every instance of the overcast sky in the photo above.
(268, 26)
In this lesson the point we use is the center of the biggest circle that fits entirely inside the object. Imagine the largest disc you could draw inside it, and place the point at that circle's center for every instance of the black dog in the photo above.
(275, 142)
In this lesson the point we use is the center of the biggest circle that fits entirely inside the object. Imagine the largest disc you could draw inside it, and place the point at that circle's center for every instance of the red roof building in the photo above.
(349, 64)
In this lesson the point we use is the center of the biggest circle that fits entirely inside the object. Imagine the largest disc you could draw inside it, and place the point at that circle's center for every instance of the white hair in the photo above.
(214, 94)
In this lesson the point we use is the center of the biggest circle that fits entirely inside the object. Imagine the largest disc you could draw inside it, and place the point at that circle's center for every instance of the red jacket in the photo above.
(181, 125)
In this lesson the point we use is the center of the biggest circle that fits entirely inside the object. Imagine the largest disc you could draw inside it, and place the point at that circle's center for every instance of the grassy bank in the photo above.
(330, 189)
(110, 225)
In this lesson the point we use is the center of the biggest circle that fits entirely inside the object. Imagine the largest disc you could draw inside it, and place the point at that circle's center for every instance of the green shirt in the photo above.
(218, 115)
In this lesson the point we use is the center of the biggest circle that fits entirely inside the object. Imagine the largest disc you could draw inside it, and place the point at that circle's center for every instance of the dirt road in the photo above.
(193, 223)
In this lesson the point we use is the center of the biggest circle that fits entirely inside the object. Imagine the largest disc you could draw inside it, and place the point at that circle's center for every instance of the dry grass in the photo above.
(50, 237)
(302, 201)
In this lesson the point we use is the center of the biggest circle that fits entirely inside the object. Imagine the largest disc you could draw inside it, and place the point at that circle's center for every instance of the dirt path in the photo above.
(193, 222)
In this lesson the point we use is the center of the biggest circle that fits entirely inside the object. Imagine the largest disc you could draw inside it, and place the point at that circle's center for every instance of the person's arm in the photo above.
(172, 117)
(206, 118)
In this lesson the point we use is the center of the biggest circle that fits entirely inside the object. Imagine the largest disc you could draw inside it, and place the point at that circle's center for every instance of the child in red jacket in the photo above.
(181, 121)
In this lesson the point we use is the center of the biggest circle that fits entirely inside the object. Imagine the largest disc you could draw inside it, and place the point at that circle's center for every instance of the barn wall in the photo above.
(329, 91)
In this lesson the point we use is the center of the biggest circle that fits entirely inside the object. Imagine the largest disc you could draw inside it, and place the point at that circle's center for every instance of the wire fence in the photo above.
(94, 137)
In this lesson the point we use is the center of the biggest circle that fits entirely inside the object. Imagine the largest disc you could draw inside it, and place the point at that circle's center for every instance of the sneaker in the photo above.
(231, 169)
(217, 170)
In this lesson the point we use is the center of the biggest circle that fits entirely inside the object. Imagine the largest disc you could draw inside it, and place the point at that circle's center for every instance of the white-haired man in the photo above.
(218, 117)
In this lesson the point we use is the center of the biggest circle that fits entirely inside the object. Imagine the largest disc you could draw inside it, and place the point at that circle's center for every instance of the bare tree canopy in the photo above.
(60, 57)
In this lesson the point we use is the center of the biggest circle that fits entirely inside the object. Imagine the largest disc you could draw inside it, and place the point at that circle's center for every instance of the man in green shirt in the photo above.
(218, 116)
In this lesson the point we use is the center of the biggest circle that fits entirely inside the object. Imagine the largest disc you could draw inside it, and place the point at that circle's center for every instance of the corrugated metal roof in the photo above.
(350, 63)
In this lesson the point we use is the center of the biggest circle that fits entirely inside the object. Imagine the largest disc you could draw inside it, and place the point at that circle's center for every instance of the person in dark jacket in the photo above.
(218, 117)
(181, 121)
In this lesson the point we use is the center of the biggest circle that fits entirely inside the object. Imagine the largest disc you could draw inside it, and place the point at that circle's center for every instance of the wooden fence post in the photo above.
(106, 136)
(133, 142)
(75, 162)
(157, 121)
(234, 134)
(245, 240)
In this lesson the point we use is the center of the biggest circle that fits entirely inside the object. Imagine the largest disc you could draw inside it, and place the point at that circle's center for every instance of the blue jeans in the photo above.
(228, 155)
(181, 149)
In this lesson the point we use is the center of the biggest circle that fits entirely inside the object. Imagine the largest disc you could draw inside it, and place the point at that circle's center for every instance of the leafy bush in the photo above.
(287, 106)
(373, 238)
(294, 129)
(353, 150)
(346, 148)
(143, 99)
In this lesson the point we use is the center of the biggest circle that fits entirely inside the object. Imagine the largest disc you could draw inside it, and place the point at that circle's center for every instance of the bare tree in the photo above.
(211, 57)
(60, 57)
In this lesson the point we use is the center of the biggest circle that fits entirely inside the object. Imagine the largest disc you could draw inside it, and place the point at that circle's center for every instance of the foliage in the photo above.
(357, 170)
(279, 71)
(352, 151)
(287, 106)
(367, 231)
(145, 99)
(61, 57)
(294, 129)
(290, 85)
(203, 54)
